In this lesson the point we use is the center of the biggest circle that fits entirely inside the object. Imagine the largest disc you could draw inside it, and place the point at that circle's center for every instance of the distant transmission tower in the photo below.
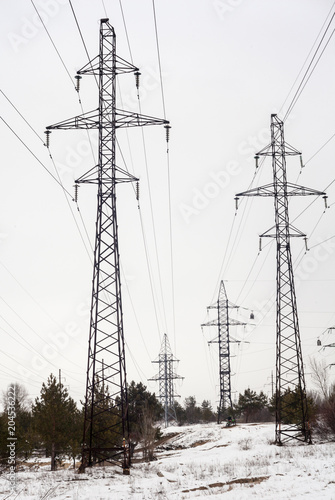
(291, 402)
(223, 322)
(106, 425)
(166, 376)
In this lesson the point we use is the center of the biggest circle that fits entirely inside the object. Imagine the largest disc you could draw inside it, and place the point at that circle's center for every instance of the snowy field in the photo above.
(198, 461)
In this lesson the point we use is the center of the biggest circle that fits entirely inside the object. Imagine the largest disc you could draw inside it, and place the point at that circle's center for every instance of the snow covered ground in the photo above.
(199, 461)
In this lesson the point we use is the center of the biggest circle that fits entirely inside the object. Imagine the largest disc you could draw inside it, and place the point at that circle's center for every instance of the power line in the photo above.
(318, 151)
(74, 219)
(89, 138)
(103, 4)
(32, 330)
(168, 173)
(39, 161)
(57, 179)
(57, 173)
(150, 275)
(159, 57)
(171, 251)
(295, 81)
(135, 316)
(153, 223)
(80, 32)
(126, 31)
(321, 242)
(23, 118)
(64, 65)
(51, 40)
(306, 78)
(66, 193)
(308, 206)
(147, 256)
(150, 201)
(29, 295)
(85, 229)
(146, 251)
(238, 233)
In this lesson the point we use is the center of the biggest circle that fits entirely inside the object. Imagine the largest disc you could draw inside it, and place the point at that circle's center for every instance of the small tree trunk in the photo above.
(53, 457)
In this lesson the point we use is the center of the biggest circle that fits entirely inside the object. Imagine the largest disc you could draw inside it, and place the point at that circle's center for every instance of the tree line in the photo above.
(52, 425)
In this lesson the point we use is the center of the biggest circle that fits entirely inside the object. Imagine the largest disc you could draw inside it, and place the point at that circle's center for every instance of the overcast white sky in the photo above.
(227, 65)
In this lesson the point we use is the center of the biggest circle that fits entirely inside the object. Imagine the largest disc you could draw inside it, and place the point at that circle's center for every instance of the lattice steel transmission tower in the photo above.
(106, 426)
(291, 402)
(223, 322)
(166, 376)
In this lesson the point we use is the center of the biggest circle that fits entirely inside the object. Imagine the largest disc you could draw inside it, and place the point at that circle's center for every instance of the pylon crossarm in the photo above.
(93, 176)
(293, 232)
(290, 190)
(295, 190)
(288, 150)
(92, 67)
(123, 119)
(129, 119)
(266, 190)
(214, 341)
(214, 322)
(234, 322)
(238, 341)
(123, 66)
(231, 305)
(89, 120)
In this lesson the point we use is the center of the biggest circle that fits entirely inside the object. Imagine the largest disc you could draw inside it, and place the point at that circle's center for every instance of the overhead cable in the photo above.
(309, 73)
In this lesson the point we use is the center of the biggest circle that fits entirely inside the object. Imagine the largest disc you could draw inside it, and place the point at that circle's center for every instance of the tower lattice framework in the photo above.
(166, 376)
(106, 424)
(291, 401)
(223, 340)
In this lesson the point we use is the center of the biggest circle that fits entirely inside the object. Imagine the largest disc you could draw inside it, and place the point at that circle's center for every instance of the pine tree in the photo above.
(55, 416)
(207, 414)
(250, 403)
(74, 447)
(193, 412)
(180, 412)
(142, 402)
(291, 401)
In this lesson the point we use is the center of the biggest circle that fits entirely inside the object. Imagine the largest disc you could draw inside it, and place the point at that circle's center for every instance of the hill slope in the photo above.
(195, 462)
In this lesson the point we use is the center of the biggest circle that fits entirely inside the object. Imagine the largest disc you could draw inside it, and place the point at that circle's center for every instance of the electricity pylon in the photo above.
(291, 401)
(106, 424)
(166, 376)
(223, 322)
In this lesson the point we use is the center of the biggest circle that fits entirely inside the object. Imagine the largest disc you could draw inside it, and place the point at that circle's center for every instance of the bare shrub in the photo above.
(245, 444)
(325, 424)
